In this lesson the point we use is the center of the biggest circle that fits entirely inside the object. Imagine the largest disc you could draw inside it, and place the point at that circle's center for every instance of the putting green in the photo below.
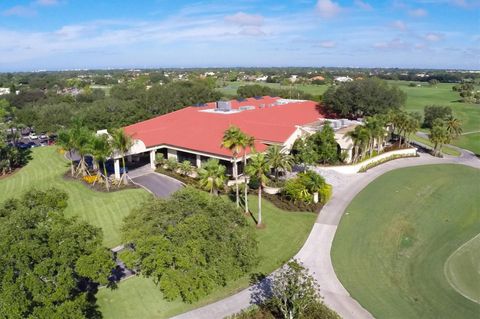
(462, 269)
(393, 242)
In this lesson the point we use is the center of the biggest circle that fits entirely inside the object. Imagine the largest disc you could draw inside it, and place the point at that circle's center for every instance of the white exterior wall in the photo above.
(172, 154)
(352, 169)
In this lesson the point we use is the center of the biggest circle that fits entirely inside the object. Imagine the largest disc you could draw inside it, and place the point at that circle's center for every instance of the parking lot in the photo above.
(33, 140)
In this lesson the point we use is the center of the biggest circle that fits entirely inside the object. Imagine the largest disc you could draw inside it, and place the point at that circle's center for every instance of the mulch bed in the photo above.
(291, 206)
(99, 187)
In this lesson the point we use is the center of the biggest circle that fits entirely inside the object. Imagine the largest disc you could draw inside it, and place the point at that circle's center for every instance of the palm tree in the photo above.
(212, 176)
(246, 142)
(121, 143)
(360, 137)
(185, 168)
(259, 167)
(232, 140)
(438, 136)
(101, 150)
(81, 143)
(454, 127)
(278, 160)
(67, 141)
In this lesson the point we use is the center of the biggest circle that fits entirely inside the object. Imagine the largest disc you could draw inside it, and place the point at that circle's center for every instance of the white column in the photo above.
(116, 166)
(152, 160)
(199, 161)
(172, 154)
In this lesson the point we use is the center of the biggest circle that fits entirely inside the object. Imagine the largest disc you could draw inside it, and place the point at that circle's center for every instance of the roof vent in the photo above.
(246, 108)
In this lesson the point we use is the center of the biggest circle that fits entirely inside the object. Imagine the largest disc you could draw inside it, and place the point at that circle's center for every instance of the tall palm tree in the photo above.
(82, 138)
(454, 127)
(278, 160)
(122, 142)
(232, 140)
(67, 141)
(101, 150)
(360, 138)
(247, 141)
(212, 176)
(259, 168)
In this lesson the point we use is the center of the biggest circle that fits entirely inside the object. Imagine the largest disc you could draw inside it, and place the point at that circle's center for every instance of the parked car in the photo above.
(43, 136)
(33, 136)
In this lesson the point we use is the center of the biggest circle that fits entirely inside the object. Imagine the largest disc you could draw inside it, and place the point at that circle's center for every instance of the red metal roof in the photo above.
(200, 129)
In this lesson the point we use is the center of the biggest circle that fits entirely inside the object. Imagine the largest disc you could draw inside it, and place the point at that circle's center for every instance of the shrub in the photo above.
(90, 179)
(325, 193)
(171, 164)
(159, 159)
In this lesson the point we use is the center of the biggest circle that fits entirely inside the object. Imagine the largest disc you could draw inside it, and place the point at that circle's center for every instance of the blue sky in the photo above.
(68, 34)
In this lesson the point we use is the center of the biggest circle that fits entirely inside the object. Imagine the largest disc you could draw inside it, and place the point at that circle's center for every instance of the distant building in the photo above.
(342, 79)
(262, 78)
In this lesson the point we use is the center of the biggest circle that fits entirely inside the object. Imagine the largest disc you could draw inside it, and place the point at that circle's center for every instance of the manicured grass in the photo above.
(282, 238)
(231, 87)
(462, 269)
(395, 237)
(104, 210)
(445, 149)
(469, 142)
(442, 94)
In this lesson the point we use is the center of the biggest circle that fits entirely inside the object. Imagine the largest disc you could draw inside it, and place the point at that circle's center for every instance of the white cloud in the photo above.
(20, 11)
(363, 5)
(391, 45)
(47, 2)
(433, 36)
(245, 19)
(327, 44)
(328, 8)
(399, 25)
(418, 13)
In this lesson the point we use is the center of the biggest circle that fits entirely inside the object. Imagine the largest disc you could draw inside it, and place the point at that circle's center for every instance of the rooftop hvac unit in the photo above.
(246, 108)
(224, 106)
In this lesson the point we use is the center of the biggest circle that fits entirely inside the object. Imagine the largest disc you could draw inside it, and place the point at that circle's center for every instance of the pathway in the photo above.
(315, 253)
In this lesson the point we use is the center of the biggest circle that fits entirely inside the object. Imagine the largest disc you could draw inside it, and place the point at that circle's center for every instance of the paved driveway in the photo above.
(160, 185)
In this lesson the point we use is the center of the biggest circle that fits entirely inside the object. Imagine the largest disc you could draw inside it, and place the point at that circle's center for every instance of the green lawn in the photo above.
(282, 238)
(463, 269)
(104, 210)
(442, 94)
(393, 242)
(445, 149)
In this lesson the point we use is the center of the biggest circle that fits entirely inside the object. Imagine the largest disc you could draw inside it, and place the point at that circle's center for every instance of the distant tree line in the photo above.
(254, 90)
(126, 104)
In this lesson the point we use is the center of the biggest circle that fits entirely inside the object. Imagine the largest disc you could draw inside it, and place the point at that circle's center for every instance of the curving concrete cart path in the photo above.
(315, 253)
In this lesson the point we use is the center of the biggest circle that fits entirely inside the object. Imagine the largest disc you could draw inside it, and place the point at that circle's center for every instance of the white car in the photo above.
(43, 137)
(33, 136)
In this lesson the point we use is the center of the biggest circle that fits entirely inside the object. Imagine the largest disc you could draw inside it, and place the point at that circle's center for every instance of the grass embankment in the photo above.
(279, 241)
(393, 242)
(104, 210)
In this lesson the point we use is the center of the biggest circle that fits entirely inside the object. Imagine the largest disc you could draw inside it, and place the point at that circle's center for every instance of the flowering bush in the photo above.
(90, 179)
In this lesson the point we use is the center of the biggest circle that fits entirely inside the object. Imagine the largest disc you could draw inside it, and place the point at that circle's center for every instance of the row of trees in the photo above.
(246, 91)
(467, 92)
(259, 166)
(83, 142)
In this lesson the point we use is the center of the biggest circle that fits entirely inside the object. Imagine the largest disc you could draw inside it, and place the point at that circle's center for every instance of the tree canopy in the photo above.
(48, 263)
(363, 97)
(189, 244)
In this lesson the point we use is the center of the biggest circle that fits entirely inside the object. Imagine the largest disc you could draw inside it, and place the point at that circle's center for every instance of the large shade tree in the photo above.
(363, 97)
(190, 244)
(49, 263)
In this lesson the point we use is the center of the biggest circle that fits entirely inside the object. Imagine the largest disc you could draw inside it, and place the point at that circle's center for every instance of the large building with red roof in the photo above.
(195, 133)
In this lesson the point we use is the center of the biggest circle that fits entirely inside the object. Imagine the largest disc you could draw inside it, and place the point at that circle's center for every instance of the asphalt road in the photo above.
(160, 185)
